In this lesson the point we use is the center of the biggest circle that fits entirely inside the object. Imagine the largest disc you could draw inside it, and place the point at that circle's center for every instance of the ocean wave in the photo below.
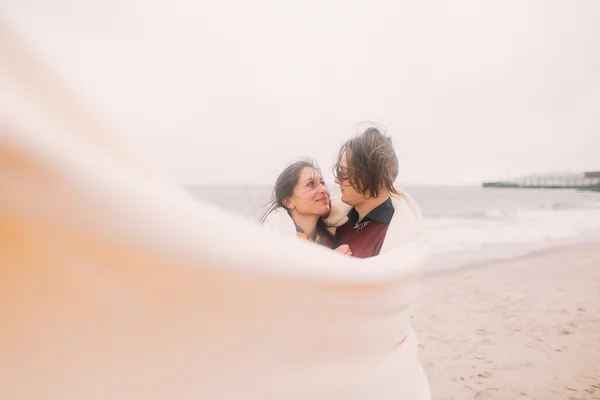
(525, 226)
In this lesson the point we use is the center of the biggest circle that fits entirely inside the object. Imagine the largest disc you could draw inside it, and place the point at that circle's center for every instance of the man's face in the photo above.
(349, 195)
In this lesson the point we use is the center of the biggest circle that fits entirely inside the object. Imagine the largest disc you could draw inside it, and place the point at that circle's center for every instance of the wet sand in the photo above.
(526, 328)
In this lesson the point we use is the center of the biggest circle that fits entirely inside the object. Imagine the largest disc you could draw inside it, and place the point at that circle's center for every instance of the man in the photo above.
(380, 217)
(375, 218)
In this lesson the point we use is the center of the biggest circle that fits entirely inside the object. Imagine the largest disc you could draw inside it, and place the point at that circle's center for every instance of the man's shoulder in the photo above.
(406, 224)
(403, 201)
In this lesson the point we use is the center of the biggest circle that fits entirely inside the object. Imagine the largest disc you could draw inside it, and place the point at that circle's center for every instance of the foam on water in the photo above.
(504, 236)
(468, 224)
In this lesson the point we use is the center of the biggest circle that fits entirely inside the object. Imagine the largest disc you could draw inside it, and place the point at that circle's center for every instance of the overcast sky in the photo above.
(230, 91)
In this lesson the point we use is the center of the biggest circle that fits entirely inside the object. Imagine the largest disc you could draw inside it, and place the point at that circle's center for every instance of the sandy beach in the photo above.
(527, 328)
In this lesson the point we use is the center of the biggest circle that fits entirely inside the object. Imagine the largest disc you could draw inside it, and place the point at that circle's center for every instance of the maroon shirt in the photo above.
(366, 237)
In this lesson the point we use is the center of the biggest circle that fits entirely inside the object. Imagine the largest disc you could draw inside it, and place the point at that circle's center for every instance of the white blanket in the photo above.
(115, 284)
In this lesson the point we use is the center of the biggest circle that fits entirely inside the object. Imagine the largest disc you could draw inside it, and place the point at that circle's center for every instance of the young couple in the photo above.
(370, 217)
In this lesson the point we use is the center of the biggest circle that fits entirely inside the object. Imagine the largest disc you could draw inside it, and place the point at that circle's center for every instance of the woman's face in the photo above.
(310, 196)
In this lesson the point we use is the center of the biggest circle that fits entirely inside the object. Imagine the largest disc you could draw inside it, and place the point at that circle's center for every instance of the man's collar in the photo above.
(383, 213)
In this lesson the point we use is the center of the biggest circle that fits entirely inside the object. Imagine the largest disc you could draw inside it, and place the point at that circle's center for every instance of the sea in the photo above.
(466, 225)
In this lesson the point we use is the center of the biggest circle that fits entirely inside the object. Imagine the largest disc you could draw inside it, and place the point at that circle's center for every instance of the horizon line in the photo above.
(414, 184)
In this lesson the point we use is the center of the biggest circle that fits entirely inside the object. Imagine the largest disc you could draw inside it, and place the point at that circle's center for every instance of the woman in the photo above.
(300, 202)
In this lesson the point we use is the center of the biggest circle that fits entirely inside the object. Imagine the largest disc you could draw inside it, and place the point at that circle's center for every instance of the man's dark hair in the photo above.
(372, 163)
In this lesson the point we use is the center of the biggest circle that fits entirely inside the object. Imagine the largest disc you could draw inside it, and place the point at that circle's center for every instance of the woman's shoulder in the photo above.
(325, 236)
(279, 219)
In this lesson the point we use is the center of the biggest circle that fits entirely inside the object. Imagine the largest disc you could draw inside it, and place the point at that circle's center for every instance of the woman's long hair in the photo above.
(286, 182)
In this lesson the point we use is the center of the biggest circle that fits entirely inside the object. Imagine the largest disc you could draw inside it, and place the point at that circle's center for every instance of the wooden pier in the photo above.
(586, 181)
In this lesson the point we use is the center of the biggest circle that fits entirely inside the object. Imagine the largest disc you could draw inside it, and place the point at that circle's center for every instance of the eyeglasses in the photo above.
(340, 173)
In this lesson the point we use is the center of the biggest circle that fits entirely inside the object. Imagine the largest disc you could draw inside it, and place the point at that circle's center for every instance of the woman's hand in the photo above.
(344, 249)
